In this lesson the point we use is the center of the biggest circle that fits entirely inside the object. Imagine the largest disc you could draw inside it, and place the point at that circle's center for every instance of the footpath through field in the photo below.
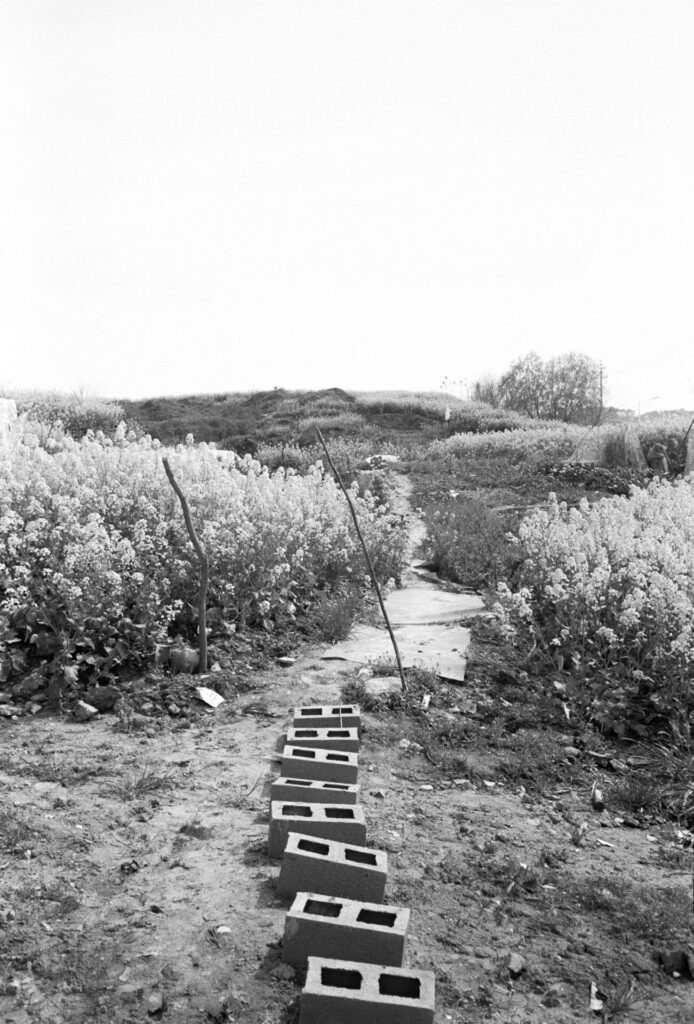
(426, 615)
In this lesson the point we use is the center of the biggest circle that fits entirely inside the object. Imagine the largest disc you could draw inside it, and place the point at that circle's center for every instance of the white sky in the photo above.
(212, 195)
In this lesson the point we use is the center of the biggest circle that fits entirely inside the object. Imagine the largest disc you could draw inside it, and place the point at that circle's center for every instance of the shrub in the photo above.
(608, 591)
(539, 443)
(76, 413)
(467, 542)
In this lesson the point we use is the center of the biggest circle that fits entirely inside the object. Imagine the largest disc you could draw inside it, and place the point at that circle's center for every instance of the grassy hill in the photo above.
(242, 421)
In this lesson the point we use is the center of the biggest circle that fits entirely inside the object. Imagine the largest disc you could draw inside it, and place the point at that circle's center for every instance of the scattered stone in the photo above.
(404, 744)
(677, 961)
(137, 721)
(84, 712)
(463, 784)
(640, 964)
(174, 710)
(283, 972)
(597, 799)
(155, 1003)
(147, 707)
(555, 995)
(286, 662)
(484, 952)
(8, 711)
(104, 698)
(184, 659)
(573, 752)
(515, 964)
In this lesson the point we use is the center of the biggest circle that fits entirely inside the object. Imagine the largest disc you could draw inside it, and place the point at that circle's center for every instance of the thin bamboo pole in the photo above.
(368, 559)
(204, 567)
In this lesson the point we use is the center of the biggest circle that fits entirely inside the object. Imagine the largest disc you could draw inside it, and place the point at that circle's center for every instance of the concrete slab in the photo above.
(425, 604)
(438, 647)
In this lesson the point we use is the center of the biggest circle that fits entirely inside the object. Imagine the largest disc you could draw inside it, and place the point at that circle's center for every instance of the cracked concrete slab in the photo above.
(423, 604)
(438, 647)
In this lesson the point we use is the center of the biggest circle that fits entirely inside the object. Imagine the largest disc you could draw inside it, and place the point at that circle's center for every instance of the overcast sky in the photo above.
(213, 195)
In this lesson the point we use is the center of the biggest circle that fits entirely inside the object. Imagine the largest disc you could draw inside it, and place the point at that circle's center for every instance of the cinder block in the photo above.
(342, 929)
(334, 869)
(345, 991)
(325, 739)
(328, 716)
(300, 762)
(326, 821)
(304, 791)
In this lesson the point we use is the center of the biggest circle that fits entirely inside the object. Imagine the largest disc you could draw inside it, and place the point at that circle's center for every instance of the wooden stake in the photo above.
(368, 559)
(204, 568)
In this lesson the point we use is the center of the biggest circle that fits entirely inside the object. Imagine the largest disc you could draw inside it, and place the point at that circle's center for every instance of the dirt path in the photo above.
(134, 882)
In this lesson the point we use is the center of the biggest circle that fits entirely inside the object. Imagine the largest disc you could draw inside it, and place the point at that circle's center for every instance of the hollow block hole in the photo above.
(379, 917)
(321, 909)
(359, 857)
(321, 848)
(394, 985)
(334, 977)
(297, 811)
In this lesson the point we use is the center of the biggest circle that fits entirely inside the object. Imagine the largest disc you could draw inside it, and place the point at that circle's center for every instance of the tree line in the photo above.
(568, 388)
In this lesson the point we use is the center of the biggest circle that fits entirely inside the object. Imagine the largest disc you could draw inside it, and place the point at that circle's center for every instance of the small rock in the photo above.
(7, 711)
(155, 1003)
(84, 712)
(572, 751)
(463, 784)
(146, 707)
(404, 743)
(103, 698)
(59, 801)
(484, 953)
(139, 721)
(174, 710)
(554, 995)
(427, 789)
(516, 965)
(286, 662)
(184, 659)
(675, 961)
(182, 723)
(597, 799)
(283, 972)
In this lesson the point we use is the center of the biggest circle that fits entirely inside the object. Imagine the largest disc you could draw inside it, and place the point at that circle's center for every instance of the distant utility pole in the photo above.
(601, 380)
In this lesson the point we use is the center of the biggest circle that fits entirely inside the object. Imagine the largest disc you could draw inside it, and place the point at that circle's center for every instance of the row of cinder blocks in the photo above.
(337, 883)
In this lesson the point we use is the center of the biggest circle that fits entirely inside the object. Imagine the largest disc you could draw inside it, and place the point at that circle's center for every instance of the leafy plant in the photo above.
(467, 542)
(607, 592)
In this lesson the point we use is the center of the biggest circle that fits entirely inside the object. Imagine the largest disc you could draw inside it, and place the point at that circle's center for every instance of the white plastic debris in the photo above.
(209, 697)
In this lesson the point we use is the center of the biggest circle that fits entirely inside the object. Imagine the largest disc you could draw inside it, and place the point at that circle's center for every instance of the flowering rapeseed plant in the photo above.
(95, 561)
(608, 591)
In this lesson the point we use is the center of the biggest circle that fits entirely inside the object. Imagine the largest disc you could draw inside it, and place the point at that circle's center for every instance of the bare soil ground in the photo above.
(134, 874)
(135, 884)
